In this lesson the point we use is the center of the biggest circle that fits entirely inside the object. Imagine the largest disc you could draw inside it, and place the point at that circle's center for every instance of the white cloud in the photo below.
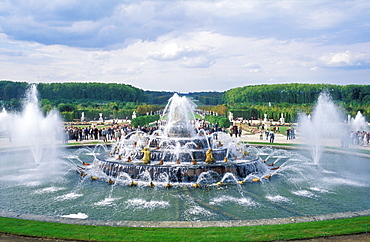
(185, 45)
(174, 51)
(253, 67)
(347, 59)
(188, 56)
(197, 62)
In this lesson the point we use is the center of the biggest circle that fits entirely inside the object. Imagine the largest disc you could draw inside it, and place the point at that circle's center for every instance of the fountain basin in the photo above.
(298, 189)
(185, 172)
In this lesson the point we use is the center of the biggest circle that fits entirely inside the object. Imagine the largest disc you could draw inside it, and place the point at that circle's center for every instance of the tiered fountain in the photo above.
(179, 152)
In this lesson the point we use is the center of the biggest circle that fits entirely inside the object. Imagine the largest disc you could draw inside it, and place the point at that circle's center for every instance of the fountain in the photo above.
(358, 123)
(31, 129)
(179, 150)
(162, 190)
(324, 123)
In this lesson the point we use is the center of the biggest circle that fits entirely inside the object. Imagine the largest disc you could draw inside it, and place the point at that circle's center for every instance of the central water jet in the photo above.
(180, 150)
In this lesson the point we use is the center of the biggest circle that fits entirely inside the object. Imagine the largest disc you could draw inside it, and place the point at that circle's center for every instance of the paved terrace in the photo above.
(280, 139)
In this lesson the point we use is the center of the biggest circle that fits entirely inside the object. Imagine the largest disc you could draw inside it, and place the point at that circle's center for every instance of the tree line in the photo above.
(120, 100)
(296, 93)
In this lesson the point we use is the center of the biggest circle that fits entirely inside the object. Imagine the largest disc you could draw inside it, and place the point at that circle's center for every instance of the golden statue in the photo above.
(209, 157)
(146, 157)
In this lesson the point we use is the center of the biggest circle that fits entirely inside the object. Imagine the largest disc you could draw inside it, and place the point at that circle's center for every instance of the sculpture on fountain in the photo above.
(180, 151)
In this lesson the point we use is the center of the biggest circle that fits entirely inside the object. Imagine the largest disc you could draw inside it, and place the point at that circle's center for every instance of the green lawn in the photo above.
(252, 233)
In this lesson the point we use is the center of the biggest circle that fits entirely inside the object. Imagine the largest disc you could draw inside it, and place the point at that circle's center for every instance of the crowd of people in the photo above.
(116, 131)
(360, 138)
(269, 134)
(106, 134)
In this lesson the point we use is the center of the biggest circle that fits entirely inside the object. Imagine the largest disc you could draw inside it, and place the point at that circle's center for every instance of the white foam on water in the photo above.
(49, 190)
(243, 201)
(277, 198)
(68, 196)
(327, 172)
(344, 181)
(304, 193)
(106, 202)
(92, 154)
(320, 189)
(140, 204)
(78, 216)
(197, 210)
(33, 184)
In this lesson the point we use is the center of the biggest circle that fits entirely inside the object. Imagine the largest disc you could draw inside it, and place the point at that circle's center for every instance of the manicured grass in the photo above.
(252, 233)
(267, 143)
(89, 143)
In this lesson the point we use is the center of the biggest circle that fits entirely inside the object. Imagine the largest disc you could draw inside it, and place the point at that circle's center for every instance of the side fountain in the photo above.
(358, 123)
(32, 130)
(180, 151)
(324, 123)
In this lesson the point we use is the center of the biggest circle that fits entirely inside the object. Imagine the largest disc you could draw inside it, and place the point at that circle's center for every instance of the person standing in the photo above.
(365, 139)
(272, 136)
(235, 131)
(267, 133)
(104, 134)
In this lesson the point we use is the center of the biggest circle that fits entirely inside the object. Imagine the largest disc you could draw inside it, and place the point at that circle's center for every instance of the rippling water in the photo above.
(339, 183)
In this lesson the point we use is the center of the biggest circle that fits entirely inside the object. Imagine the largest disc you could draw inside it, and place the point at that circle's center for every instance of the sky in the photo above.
(185, 46)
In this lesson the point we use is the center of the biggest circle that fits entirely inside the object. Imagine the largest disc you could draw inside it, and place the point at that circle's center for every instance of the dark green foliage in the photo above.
(289, 99)
(119, 100)
(144, 120)
(221, 121)
(296, 93)
(158, 98)
(9, 90)
(90, 91)
(208, 98)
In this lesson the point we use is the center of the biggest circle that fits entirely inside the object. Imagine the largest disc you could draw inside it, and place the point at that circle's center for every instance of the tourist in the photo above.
(345, 140)
(104, 134)
(75, 134)
(360, 138)
(352, 137)
(235, 131)
(365, 138)
(231, 131)
(96, 132)
(110, 133)
(272, 136)
(117, 134)
(86, 133)
(292, 133)
(66, 135)
(288, 133)
(267, 134)
(80, 134)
